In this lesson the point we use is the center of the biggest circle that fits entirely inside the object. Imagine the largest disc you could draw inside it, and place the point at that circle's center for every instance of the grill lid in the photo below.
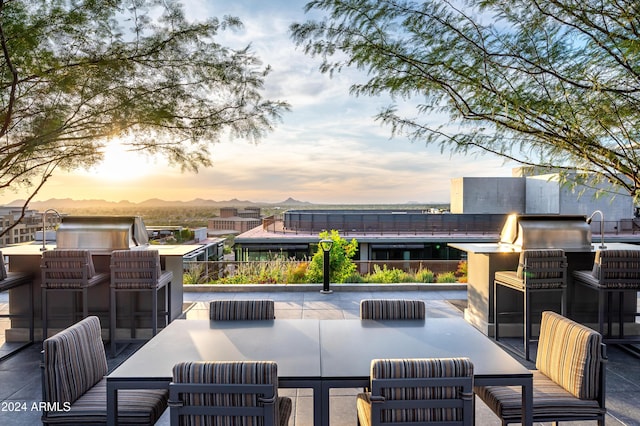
(101, 232)
(547, 231)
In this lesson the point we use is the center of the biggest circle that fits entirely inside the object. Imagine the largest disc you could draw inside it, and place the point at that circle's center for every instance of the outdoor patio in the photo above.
(20, 374)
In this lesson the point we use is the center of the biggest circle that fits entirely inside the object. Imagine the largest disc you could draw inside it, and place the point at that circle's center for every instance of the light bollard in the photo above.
(326, 248)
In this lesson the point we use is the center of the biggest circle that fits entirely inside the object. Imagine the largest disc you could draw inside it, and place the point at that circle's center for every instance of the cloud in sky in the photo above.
(328, 149)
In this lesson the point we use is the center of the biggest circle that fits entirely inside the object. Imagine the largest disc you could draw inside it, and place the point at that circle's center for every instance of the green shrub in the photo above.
(341, 264)
(446, 277)
(388, 276)
(354, 278)
(425, 276)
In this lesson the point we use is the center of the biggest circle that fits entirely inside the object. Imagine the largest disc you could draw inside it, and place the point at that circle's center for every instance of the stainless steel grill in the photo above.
(568, 232)
(101, 233)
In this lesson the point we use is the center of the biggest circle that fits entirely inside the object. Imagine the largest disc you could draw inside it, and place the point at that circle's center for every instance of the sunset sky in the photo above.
(328, 149)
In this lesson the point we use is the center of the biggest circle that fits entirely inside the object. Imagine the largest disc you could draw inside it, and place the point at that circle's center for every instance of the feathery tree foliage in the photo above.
(75, 74)
(547, 83)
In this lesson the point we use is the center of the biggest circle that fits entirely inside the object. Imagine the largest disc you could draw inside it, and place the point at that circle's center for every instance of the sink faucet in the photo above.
(590, 219)
(44, 227)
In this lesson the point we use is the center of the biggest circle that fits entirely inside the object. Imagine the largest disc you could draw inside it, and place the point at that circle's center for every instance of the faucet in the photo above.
(44, 227)
(590, 219)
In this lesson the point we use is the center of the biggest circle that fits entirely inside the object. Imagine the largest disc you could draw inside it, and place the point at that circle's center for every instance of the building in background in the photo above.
(234, 221)
(24, 230)
(479, 207)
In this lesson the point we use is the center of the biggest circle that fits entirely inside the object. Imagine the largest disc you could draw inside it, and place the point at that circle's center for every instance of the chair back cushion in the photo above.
(134, 269)
(569, 354)
(74, 360)
(233, 310)
(392, 309)
(617, 268)
(542, 268)
(223, 372)
(66, 268)
(421, 368)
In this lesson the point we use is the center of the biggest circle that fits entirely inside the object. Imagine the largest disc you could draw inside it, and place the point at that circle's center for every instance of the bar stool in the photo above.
(138, 271)
(68, 270)
(10, 281)
(538, 271)
(614, 272)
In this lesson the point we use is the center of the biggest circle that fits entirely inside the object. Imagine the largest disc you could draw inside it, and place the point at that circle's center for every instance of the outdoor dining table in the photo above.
(317, 354)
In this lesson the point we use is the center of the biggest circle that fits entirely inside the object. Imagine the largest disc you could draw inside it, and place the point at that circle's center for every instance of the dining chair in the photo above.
(68, 270)
(539, 271)
(10, 281)
(242, 391)
(233, 310)
(135, 272)
(614, 272)
(418, 391)
(74, 384)
(392, 309)
(569, 380)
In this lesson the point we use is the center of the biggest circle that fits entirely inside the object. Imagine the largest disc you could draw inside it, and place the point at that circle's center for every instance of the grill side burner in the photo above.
(568, 232)
(101, 233)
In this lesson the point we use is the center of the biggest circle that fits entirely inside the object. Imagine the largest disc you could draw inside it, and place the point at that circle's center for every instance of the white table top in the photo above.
(348, 346)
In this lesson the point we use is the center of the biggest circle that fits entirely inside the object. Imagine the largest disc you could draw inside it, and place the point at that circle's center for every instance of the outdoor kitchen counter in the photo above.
(26, 258)
(484, 259)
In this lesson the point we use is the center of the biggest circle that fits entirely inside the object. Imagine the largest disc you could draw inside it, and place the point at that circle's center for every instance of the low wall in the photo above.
(245, 288)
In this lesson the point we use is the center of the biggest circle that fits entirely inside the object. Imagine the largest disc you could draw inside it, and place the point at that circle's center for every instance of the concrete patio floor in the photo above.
(20, 374)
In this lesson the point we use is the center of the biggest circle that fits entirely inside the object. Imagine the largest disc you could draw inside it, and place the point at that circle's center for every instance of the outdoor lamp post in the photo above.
(326, 248)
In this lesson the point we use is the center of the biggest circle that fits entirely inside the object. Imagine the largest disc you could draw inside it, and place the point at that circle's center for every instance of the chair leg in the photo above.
(85, 303)
(154, 311)
(168, 301)
(45, 315)
(112, 321)
(495, 312)
(527, 322)
(621, 314)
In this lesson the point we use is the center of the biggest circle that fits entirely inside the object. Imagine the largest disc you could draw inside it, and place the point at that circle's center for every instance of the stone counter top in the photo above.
(30, 249)
(492, 248)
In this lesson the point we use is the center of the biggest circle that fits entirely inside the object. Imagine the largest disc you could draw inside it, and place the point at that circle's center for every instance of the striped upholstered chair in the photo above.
(234, 310)
(73, 380)
(569, 382)
(68, 270)
(135, 272)
(392, 309)
(418, 391)
(245, 390)
(615, 272)
(539, 271)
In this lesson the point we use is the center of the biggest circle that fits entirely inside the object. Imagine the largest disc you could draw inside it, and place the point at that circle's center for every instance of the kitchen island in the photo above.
(26, 258)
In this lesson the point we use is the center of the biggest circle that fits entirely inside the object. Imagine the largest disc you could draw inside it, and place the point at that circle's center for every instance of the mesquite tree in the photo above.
(75, 74)
(548, 83)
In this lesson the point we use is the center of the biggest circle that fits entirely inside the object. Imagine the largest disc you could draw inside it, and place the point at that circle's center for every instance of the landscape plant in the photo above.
(424, 275)
(446, 277)
(340, 259)
(385, 275)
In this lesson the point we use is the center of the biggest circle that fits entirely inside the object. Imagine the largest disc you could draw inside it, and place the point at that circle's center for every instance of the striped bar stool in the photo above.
(67, 270)
(138, 271)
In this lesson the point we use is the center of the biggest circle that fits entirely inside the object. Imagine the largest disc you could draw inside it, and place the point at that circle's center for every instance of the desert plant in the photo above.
(446, 277)
(296, 273)
(424, 275)
(387, 276)
(461, 271)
